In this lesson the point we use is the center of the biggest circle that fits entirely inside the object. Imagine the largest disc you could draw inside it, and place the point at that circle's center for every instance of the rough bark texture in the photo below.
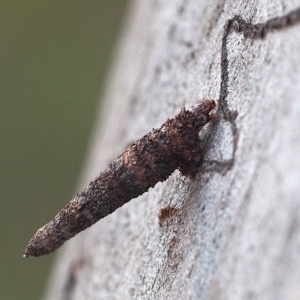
(233, 231)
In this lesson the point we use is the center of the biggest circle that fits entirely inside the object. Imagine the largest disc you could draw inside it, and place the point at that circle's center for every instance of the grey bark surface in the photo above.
(234, 229)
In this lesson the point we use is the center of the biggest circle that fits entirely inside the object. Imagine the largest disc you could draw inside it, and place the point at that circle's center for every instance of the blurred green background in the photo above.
(54, 56)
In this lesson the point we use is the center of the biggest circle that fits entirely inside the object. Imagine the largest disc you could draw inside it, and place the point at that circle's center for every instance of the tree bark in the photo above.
(233, 231)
